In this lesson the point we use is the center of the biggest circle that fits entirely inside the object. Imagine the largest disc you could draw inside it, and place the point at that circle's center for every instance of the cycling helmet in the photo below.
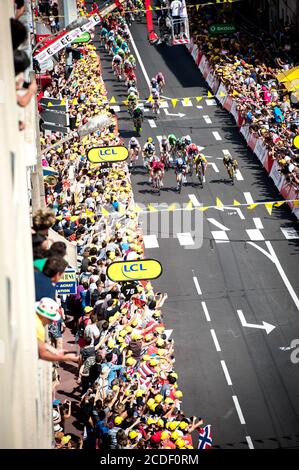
(131, 58)
(132, 96)
(188, 139)
(153, 81)
(149, 140)
(192, 148)
(133, 140)
(121, 52)
(172, 137)
(159, 76)
(164, 138)
(119, 41)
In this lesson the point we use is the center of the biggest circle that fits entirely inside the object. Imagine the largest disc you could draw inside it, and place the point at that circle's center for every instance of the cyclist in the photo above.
(124, 46)
(230, 164)
(134, 90)
(132, 102)
(134, 149)
(180, 171)
(161, 81)
(103, 36)
(187, 140)
(156, 101)
(201, 164)
(131, 79)
(156, 171)
(117, 66)
(148, 151)
(164, 150)
(137, 116)
(191, 152)
(172, 142)
(154, 84)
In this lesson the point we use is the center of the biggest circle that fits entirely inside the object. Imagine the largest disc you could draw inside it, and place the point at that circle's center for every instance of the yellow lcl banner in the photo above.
(136, 270)
(117, 153)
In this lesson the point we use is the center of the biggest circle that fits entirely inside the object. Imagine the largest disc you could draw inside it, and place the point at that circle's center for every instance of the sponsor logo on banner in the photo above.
(210, 79)
(194, 52)
(215, 84)
(107, 154)
(136, 270)
(68, 283)
(234, 111)
(228, 103)
(251, 141)
(206, 70)
(245, 132)
(276, 175)
(260, 150)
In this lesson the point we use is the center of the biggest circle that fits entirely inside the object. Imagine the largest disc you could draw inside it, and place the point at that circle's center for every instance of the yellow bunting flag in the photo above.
(151, 208)
(197, 7)
(235, 93)
(278, 204)
(126, 102)
(203, 209)
(296, 203)
(236, 203)
(74, 218)
(198, 98)
(137, 208)
(75, 101)
(210, 95)
(113, 100)
(219, 202)
(189, 206)
(269, 207)
(59, 217)
(222, 94)
(174, 102)
(150, 99)
(252, 206)
(186, 101)
(49, 104)
(62, 102)
(172, 207)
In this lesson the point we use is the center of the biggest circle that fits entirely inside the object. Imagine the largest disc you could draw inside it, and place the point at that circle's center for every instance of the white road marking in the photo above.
(226, 152)
(220, 236)
(283, 274)
(194, 200)
(168, 333)
(218, 224)
(217, 135)
(199, 107)
(255, 234)
(290, 233)
(159, 138)
(258, 223)
(152, 123)
(139, 60)
(205, 309)
(197, 285)
(226, 373)
(164, 104)
(248, 198)
(239, 176)
(115, 108)
(207, 119)
(237, 209)
(238, 408)
(187, 104)
(211, 102)
(249, 442)
(185, 238)
(265, 326)
(214, 166)
(150, 241)
(215, 340)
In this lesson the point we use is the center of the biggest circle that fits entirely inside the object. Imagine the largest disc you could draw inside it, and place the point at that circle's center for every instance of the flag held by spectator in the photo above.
(205, 437)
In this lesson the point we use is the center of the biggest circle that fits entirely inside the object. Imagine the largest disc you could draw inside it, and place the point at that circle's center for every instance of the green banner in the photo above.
(224, 28)
(81, 39)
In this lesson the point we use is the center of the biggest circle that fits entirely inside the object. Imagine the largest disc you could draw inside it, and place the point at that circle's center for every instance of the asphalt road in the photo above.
(236, 377)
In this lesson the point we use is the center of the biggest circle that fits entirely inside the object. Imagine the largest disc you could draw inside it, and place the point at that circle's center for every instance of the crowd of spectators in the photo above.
(248, 64)
(130, 395)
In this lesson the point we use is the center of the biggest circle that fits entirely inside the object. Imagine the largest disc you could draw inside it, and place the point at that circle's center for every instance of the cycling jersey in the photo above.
(180, 164)
(125, 46)
(149, 148)
(133, 144)
(128, 66)
(137, 113)
(172, 139)
(160, 78)
(227, 160)
(200, 159)
(157, 166)
(104, 32)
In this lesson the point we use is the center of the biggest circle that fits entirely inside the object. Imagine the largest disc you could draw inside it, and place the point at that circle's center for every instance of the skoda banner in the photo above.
(136, 270)
(107, 154)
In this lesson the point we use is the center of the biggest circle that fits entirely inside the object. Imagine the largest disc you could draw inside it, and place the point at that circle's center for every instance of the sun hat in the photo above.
(48, 308)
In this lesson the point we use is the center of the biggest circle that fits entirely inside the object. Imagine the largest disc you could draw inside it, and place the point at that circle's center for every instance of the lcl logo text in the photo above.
(134, 267)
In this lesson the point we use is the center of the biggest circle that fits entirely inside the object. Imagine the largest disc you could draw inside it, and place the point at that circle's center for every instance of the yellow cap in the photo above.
(160, 423)
(158, 398)
(150, 402)
(118, 420)
(175, 435)
(164, 435)
(180, 443)
(133, 434)
(153, 362)
(178, 394)
(130, 361)
(183, 425)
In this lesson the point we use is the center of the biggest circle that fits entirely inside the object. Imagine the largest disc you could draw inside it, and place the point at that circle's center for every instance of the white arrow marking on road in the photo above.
(207, 119)
(152, 123)
(265, 326)
(172, 114)
(218, 224)
(199, 107)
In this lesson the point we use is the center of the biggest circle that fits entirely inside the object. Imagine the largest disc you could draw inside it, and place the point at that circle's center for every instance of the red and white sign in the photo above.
(276, 175)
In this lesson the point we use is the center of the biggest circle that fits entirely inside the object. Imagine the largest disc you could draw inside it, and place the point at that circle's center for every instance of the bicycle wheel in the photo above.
(200, 177)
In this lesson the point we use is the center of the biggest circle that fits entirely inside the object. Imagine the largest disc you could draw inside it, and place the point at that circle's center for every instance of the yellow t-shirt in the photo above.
(40, 329)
